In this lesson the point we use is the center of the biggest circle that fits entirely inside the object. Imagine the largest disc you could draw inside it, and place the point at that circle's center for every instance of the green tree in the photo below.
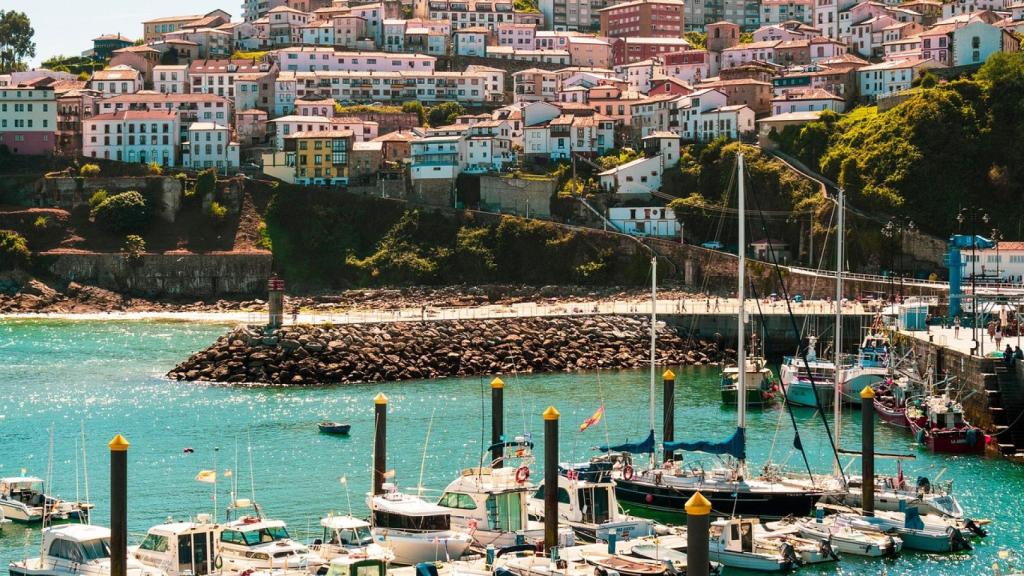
(697, 39)
(13, 250)
(444, 113)
(133, 249)
(120, 213)
(417, 107)
(97, 198)
(15, 40)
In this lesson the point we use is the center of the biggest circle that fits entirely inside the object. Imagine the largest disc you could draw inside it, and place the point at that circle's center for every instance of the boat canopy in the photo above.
(645, 447)
(735, 445)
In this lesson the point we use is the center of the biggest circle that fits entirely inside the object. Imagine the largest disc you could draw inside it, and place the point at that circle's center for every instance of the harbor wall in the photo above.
(775, 330)
(156, 275)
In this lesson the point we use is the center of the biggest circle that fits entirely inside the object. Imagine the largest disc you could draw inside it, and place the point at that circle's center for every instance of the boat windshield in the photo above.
(359, 536)
(412, 523)
(154, 542)
(254, 537)
(96, 549)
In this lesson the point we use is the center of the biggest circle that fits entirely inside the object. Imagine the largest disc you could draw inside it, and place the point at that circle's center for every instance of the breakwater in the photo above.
(301, 355)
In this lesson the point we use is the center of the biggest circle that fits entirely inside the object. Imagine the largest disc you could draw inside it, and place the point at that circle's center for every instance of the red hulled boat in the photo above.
(938, 422)
(891, 402)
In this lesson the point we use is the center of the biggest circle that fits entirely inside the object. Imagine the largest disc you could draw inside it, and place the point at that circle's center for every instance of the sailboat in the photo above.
(665, 490)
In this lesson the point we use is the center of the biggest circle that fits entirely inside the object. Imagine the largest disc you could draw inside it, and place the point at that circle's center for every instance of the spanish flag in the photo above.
(593, 419)
(207, 476)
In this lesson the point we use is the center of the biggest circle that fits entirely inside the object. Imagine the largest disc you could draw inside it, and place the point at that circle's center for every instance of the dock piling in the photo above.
(118, 506)
(551, 480)
(669, 407)
(698, 529)
(497, 421)
(867, 457)
(380, 442)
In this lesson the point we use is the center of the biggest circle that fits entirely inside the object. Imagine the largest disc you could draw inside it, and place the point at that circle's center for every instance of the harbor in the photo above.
(117, 388)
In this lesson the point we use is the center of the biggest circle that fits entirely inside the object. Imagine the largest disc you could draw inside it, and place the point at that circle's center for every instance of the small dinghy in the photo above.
(605, 564)
(334, 428)
(842, 537)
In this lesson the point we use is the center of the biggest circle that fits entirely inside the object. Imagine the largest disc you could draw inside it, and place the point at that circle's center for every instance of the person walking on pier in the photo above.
(991, 329)
(956, 328)
(999, 337)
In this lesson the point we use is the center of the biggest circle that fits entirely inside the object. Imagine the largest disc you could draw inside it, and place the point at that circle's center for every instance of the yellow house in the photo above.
(321, 157)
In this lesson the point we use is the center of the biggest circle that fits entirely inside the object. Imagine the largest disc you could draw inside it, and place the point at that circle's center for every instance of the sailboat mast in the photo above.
(654, 327)
(741, 359)
(837, 402)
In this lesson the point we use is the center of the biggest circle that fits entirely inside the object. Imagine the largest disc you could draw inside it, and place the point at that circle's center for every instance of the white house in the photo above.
(807, 100)
(436, 158)
(470, 41)
(751, 52)
(655, 221)
(170, 79)
(132, 136)
(116, 80)
(209, 145)
(890, 76)
(639, 177)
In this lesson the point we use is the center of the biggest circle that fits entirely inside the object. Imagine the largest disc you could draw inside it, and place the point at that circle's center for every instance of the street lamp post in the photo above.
(894, 229)
(974, 212)
(996, 237)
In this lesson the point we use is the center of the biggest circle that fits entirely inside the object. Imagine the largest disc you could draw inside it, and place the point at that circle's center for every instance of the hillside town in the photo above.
(336, 93)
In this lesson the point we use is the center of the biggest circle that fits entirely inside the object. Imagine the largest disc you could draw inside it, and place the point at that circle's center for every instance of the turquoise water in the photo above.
(107, 375)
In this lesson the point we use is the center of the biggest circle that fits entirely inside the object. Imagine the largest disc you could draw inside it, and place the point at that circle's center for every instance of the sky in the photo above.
(68, 26)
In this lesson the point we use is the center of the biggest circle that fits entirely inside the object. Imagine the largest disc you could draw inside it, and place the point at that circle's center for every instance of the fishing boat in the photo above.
(334, 428)
(75, 550)
(414, 529)
(490, 503)
(732, 543)
(590, 507)
(348, 536)
(761, 383)
(809, 384)
(891, 401)
(23, 499)
(665, 489)
(871, 365)
(938, 422)
(258, 543)
(840, 536)
(180, 548)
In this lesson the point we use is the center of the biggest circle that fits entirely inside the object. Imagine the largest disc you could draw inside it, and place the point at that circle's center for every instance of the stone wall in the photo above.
(163, 192)
(162, 275)
(517, 196)
(974, 376)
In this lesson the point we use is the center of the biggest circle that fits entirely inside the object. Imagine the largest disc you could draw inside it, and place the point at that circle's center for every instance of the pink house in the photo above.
(936, 44)
(28, 120)
(517, 35)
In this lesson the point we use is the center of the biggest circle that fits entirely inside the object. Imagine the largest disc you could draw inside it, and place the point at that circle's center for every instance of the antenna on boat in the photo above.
(837, 400)
(423, 459)
(348, 498)
(741, 361)
(654, 330)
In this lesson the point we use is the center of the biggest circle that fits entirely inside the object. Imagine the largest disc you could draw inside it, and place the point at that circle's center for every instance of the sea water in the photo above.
(106, 378)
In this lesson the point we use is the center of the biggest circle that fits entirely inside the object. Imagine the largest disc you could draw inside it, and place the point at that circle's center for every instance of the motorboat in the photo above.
(938, 422)
(491, 503)
(590, 507)
(871, 366)
(733, 544)
(916, 532)
(348, 536)
(761, 383)
(660, 550)
(841, 536)
(336, 428)
(24, 499)
(180, 548)
(75, 550)
(808, 551)
(894, 493)
(614, 564)
(890, 401)
(812, 384)
(257, 543)
(414, 529)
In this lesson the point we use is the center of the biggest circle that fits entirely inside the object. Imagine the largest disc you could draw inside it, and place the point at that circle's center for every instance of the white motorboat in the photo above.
(893, 493)
(797, 385)
(841, 536)
(924, 533)
(349, 537)
(256, 543)
(591, 509)
(807, 551)
(733, 544)
(490, 504)
(24, 499)
(415, 530)
(180, 548)
(75, 550)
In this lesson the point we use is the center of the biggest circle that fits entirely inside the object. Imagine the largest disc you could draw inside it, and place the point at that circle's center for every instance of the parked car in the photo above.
(713, 245)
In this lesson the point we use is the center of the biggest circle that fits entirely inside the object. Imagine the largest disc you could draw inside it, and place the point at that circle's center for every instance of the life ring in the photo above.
(522, 474)
(218, 562)
(627, 472)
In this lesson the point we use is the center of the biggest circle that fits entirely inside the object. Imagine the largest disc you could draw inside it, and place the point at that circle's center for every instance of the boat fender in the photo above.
(973, 527)
(522, 474)
(649, 498)
(627, 472)
(218, 562)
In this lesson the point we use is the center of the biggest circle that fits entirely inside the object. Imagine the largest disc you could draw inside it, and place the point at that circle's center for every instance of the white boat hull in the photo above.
(19, 512)
(411, 549)
(747, 561)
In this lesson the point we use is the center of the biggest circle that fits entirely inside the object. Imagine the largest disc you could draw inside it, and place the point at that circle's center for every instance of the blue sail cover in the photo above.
(734, 445)
(645, 447)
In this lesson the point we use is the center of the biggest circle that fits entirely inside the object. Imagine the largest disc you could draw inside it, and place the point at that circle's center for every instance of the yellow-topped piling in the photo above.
(380, 398)
(497, 383)
(697, 505)
(668, 375)
(867, 393)
(118, 444)
(551, 413)
(698, 527)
